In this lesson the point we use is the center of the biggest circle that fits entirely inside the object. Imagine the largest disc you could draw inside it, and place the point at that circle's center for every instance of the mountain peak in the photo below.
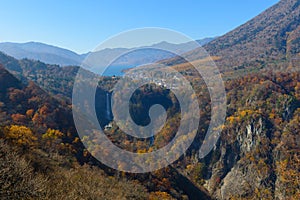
(269, 38)
(266, 35)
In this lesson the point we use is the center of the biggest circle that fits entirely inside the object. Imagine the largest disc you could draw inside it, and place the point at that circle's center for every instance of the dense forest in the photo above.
(256, 157)
(260, 133)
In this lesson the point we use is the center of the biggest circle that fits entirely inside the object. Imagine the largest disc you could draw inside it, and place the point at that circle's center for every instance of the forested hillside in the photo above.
(256, 157)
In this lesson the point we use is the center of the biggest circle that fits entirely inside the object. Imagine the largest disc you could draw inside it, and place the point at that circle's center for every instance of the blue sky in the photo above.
(81, 25)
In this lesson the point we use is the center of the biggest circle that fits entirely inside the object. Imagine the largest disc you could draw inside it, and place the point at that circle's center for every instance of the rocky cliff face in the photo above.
(257, 155)
(241, 174)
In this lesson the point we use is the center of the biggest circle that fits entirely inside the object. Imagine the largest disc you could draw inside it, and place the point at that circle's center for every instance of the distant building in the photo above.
(108, 127)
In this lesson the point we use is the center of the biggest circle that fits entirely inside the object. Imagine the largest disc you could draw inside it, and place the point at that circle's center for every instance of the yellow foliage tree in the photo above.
(20, 135)
(159, 195)
(52, 138)
(52, 134)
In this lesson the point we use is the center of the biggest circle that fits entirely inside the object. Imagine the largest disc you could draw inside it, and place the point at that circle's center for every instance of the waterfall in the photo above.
(151, 141)
(108, 107)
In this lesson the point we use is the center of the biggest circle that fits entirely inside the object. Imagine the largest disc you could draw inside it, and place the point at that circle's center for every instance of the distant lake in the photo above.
(115, 70)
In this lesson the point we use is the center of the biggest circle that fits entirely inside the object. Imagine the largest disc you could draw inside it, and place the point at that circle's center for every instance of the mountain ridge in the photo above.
(40, 51)
(51, 54)
(270, 38)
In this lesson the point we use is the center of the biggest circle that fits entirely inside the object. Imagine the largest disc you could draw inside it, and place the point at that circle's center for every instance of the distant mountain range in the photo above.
(56, 55)
(43, 52)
